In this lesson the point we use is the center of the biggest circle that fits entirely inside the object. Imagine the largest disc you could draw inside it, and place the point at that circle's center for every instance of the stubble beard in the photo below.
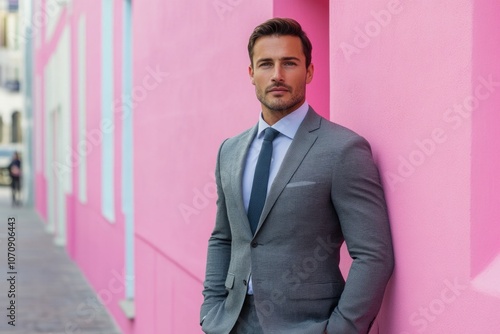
(280, 105)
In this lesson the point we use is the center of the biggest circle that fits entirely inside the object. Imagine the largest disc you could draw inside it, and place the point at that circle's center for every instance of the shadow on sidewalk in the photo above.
(45, 291)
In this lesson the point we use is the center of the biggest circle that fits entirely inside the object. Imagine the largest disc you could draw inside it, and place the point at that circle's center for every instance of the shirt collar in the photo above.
(288, 125)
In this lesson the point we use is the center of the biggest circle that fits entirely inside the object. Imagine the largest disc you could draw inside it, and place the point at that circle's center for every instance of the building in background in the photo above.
(11, 62)
(131, 100)
(14, 94)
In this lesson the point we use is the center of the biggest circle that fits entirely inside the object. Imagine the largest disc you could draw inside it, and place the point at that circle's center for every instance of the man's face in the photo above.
(279, 74)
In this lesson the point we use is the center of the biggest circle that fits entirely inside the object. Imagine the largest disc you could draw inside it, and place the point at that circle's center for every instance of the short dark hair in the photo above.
(280, 27)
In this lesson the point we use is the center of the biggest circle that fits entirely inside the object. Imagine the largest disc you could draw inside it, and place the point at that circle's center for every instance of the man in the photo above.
(274, 252)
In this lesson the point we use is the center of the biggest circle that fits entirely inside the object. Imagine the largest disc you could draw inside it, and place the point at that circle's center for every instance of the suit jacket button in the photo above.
(245, 282)
(254, 244)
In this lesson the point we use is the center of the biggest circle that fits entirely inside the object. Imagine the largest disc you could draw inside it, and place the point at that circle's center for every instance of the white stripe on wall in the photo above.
(81, 149)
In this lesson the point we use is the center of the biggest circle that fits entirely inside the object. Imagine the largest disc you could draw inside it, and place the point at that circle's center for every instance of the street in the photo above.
(41, 289)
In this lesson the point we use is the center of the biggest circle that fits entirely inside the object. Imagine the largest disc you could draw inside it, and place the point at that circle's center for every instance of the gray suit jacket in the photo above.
(327, 190)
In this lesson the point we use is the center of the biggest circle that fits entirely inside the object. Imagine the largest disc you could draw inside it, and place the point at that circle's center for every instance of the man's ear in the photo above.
(250, 73)
(310, 73)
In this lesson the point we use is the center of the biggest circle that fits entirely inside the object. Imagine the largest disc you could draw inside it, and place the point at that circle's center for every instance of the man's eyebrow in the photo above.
(291, 58)
(262, 60)
(282, 59)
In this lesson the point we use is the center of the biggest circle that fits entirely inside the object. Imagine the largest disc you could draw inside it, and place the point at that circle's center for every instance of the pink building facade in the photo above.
(133, 98)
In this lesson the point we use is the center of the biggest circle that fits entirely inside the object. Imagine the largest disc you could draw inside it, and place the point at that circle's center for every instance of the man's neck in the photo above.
(273, 116)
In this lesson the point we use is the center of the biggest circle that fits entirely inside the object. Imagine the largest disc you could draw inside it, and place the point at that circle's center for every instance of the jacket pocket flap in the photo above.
(229, 281)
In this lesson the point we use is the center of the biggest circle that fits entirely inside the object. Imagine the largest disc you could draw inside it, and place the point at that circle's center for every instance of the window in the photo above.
(16, 131)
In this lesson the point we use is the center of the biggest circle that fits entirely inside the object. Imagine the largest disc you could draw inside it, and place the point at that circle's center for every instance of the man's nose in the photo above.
(278, 73)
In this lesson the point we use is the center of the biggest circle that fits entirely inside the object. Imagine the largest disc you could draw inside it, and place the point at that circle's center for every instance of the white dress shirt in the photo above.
(287, 126)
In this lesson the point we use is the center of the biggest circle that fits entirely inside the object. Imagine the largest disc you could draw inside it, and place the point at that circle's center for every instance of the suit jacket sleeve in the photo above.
(219, 252)
(358, 198)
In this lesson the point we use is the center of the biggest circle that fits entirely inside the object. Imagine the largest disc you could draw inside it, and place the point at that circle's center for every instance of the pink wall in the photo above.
(398, 69)
(39, 110)
(485, 213)
(314, 19)
(94, 243)
(393, 71)
(94, 237)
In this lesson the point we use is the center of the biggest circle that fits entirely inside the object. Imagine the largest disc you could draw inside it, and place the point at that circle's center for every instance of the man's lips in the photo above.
(278, 90)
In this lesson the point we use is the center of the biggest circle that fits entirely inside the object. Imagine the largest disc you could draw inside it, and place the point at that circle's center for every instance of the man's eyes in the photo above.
(287, 63)
(266, 64)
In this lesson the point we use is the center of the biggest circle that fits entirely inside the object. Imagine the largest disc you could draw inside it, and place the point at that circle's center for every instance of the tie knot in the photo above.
(270, 134)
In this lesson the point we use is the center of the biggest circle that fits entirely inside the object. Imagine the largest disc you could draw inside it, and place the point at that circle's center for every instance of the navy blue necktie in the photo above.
(261, 179)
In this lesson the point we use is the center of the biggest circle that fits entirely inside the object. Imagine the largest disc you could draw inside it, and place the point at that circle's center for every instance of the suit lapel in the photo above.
(238, 166)
(301, 144)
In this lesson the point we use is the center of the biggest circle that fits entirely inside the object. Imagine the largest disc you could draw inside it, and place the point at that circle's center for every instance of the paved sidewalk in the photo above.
(51, 294)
